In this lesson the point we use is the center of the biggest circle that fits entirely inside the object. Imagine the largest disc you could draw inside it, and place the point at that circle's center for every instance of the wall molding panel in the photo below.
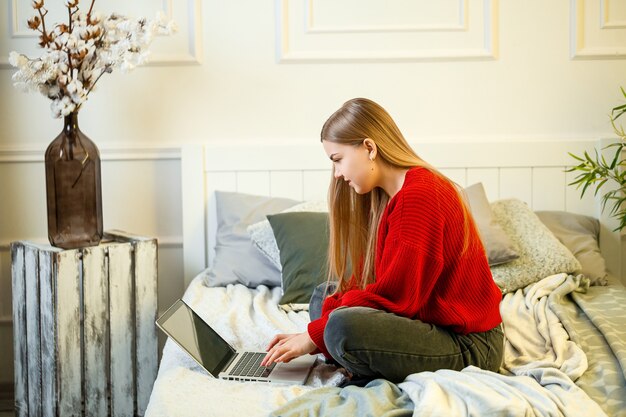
(459, 23)
(607, 21)
(597, 30)
(111, 153)
(462, 29)
(183, 48)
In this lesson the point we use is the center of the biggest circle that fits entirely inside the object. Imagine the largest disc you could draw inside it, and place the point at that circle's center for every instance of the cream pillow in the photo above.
(580, 235)
(540, 252)
(262, 234)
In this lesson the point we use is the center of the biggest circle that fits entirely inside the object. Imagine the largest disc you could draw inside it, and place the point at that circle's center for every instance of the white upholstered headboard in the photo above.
(531, 171)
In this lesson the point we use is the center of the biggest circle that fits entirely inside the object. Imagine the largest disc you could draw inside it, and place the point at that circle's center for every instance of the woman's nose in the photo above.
(338, 174)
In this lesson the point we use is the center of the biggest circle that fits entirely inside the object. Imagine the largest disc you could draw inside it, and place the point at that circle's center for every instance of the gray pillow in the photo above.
(302, 239)
(497, 244)
(579, 234)
(540, 252)
(236, 259)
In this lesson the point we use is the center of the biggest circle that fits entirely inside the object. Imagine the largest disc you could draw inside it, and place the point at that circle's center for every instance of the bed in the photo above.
(562, 307)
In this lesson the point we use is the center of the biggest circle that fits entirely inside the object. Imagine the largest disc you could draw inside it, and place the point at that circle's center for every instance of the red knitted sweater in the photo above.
(419, 271)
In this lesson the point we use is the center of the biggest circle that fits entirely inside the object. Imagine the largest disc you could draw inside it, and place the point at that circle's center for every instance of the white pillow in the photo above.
(262, 235)
(540, 252)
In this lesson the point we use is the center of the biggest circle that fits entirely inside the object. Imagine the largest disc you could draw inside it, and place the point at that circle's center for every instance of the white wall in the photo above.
(251, 71)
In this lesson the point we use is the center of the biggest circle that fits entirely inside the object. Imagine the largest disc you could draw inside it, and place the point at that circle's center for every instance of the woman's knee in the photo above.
(343, 335)
(344, 323)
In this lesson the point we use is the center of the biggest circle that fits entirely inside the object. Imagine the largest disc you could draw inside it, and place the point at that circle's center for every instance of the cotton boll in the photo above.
(22, 86)
(126, 67)
(95, 18)
(76, 91)
(44, 89)
(172, 27)
(71, 42)
(55, 108)
(83, 33)
(125, 26)
(18, 60)
(142, 58)
(14, 58)
(63, 68)
(72, 87)
(66, 106)
(53, 91)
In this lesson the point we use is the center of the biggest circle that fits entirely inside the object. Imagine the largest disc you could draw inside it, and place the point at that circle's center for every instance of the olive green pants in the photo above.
(372, 343)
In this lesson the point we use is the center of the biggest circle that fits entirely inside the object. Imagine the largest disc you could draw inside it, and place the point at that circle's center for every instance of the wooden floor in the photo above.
(6, 408)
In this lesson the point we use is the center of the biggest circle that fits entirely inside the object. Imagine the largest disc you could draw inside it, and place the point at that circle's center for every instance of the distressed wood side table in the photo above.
(85, 341)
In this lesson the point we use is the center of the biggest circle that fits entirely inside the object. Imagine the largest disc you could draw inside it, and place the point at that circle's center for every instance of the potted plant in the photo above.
(598, 171)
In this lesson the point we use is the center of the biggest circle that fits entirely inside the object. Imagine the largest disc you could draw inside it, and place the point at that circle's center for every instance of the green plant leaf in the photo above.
(599, 186)
(615, 158)
(605, 199)
(587, 184)
(598, 171)
(576, 157)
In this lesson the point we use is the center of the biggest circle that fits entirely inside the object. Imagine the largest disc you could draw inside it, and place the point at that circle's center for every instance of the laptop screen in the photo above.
(191, 332)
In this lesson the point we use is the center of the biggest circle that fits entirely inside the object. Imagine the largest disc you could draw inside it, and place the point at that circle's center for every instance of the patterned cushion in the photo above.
(540, 252)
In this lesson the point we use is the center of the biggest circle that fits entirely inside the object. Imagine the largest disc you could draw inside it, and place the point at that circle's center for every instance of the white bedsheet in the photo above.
(539, 357)
(247, 319)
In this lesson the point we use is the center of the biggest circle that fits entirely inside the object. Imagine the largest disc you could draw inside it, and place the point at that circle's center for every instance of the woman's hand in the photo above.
(285, 347)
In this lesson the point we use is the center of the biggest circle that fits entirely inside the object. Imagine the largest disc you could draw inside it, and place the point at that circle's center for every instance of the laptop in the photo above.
(219, 358)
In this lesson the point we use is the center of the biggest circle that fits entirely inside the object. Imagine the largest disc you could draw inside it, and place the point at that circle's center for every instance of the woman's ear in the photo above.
(370, 146)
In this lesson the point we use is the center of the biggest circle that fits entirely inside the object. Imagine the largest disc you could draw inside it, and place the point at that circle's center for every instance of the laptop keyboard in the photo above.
(249, 365)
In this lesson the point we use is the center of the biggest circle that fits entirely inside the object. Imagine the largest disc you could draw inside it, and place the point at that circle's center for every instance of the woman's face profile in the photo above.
(352, 164)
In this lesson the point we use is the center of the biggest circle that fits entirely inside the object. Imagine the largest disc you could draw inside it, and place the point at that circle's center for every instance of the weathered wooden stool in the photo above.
(85, 341)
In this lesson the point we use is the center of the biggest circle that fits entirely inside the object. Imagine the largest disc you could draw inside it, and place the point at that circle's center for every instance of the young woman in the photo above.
(421, 296)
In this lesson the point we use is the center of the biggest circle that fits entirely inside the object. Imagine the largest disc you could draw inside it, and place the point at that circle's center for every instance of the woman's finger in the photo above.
(277, 338)
(267, 359)
(271, 356)
(285, 357)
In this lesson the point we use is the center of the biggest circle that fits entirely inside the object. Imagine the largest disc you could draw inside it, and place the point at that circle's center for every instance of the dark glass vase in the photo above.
(73, 190)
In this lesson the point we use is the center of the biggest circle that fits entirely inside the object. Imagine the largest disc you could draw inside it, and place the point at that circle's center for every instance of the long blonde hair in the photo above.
(353, 217)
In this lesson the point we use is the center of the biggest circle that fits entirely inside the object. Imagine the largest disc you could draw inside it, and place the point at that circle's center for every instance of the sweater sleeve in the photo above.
(406, 273)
